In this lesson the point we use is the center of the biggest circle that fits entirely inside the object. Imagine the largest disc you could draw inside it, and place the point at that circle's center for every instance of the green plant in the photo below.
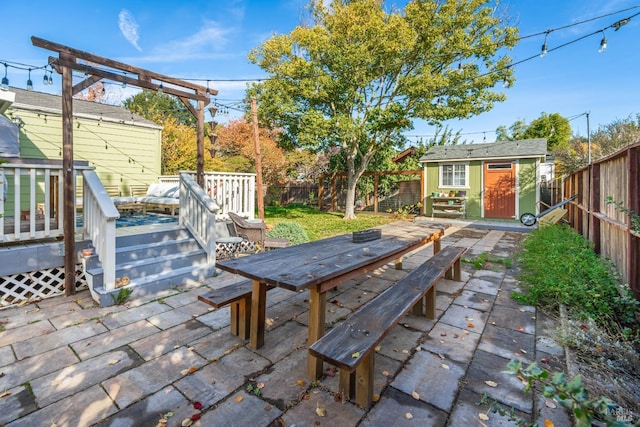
(407, 210)
(122, 296)
(484, 261)
(559, 267)
(291, 231)
(634, 217)
(496, 408)
(253, 389)
(571, 394)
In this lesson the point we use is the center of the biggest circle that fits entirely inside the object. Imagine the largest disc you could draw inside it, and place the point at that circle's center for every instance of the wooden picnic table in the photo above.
(320, 266)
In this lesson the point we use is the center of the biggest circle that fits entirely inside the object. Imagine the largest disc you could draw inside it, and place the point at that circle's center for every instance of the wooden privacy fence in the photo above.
(403, 188)
(612, 227)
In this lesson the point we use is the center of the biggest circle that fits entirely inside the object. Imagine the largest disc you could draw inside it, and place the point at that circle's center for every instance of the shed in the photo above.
(492, 180)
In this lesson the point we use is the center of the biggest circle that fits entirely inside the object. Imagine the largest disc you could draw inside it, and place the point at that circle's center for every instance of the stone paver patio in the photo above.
(66, 362)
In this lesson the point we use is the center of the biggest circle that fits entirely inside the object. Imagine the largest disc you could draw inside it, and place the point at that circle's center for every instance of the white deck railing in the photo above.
(198, 215)
(99, 225)
(31, 202)
(232, 192)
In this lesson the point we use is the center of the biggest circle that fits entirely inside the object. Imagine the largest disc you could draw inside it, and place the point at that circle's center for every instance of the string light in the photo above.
(29, 82)
(124, 82)
(603, 43)
(5, 80)
(544, 49)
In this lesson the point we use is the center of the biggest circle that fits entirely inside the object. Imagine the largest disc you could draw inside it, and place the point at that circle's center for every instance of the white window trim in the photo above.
(466, 175)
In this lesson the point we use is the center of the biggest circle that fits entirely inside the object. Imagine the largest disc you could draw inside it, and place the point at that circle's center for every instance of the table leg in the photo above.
(437, 245)
(399, 263)
(317, 313)
(258, 314)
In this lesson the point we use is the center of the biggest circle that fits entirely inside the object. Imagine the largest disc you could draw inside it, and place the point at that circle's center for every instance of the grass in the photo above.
(319, 224)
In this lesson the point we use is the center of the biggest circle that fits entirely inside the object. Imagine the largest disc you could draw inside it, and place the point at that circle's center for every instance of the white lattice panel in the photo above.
(36, 285)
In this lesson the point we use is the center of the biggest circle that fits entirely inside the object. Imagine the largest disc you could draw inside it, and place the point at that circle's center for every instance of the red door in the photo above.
(499, 190)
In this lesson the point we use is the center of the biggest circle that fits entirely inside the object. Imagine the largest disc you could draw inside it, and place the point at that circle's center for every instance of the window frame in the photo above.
(441, 167)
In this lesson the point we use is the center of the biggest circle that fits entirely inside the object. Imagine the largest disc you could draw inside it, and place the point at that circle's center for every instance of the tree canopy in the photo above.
(357, 75)
(157, 106)
(553, 127)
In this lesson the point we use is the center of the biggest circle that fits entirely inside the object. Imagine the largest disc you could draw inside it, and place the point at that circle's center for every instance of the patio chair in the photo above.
(255, 231)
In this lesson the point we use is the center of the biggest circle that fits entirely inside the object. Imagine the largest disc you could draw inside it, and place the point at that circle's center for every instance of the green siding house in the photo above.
(124, 148)
(495, 180)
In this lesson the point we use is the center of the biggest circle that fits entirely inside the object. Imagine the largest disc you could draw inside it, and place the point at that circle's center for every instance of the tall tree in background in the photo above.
(553, 127)
(357, 75)
(157, 106)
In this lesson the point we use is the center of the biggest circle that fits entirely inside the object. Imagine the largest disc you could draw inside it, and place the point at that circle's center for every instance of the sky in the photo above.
(208, 41)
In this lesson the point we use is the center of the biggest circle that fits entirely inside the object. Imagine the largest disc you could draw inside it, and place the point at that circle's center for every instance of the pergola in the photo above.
(65, 64)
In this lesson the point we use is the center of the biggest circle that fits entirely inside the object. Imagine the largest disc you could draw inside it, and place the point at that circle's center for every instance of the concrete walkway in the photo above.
(66, 362)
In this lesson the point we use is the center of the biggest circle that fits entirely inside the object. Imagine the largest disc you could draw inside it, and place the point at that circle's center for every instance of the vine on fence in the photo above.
(635, 218)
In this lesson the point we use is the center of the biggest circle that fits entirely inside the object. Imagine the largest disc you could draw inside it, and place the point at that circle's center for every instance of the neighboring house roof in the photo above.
(524, 148)
(401, 157)
(46, 102)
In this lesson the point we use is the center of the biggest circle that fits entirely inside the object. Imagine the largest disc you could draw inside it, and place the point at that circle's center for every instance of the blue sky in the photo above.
(210, 40)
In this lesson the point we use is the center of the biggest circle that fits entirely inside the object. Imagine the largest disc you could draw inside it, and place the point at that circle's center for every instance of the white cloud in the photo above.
(129, 28)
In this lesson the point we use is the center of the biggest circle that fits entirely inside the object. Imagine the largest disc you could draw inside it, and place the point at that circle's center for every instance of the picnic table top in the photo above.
(301, 266)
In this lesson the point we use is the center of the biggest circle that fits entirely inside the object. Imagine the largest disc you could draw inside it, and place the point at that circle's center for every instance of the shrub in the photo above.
(292, 231)
(559, 267)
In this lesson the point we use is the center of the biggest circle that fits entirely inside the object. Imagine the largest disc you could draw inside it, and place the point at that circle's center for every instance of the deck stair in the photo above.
(150, 261)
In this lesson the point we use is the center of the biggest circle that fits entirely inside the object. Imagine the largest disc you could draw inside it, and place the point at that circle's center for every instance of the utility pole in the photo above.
(256, 139)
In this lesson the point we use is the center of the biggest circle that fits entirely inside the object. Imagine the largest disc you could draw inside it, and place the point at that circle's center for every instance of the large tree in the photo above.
(554, 127)
(357, 75)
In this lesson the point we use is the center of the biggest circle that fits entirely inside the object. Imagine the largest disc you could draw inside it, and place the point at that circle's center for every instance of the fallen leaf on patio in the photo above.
(184, 372)
(176, 347)
(267, 408)
(113, 361)
(376, 397)
(544, 360)
(441, 356)
(470, 325)
(385, 373)
(415, 395)
(197, 406)
(269, 321)
(162, 422)
(493, 323)
(321, 411)
(35, 310)
(456, 335)
(465, 332)
(260, 386)
(444, 366)
(418, 348)
(443, 334)
(186, 422)
(522, 380)
(355, 355)
(378, 348)
(483, 416)
(550, 404)
(405, 351)
(491, 383)
(195, 417)
(520, 328)
(408, 415)
(548, 423)
(523, 351)
(522, 310)
(4, 394)
(301, 383)
(239, 399)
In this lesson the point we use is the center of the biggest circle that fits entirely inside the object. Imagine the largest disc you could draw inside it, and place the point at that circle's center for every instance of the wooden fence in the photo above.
(612, 227)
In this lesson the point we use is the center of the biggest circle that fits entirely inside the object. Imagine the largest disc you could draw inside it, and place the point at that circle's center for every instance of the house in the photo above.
(124, 148)
(493, 180)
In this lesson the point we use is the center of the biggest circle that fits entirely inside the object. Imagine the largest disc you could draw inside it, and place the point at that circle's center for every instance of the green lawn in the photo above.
(318, 224)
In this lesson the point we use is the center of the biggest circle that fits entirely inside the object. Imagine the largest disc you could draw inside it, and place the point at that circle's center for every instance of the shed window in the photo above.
(454, 175)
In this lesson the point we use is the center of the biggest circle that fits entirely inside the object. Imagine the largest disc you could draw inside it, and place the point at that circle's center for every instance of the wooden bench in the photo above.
(238, 295)
(351, 345)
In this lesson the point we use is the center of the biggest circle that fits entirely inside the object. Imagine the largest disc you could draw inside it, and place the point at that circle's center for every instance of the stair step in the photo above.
(166, 233)
(157, 282)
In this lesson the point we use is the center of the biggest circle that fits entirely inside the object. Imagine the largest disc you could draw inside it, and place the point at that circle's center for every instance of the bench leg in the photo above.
(347, 384)
(430, 302)
(317, 313)
(417, 308)
(455, 272)
(258, 314)
(437, 245)
(241, 318)
(364, 381)
(399, 263)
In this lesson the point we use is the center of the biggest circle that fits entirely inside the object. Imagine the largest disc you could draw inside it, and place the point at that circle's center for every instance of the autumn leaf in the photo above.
(239, 399)
(301, 383)
(470, 325)
(355, 355)
(321, 412)
(444, 366)
(378, 348)
(385, 373)
(520, 328)
(376, 397)
(186, 422)
(491, 383)
(483, 416)
(415, 395)
(113, 361)
(550, 404)
(408, 415)
(197, 406)
(548, 423)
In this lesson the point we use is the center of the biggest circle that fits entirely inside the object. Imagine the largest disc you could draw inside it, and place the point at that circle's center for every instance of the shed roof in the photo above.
(47, 102)
(524, 148)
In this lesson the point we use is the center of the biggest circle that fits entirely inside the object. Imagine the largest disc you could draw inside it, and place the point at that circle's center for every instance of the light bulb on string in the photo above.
(29, 82)
(5, 80)
(544, 50)
(603, 43)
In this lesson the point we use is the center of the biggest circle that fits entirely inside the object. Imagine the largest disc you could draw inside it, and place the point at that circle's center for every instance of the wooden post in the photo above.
(256, 139)
(200, 144)
(320, 191)
(69, 194)
(375, 193)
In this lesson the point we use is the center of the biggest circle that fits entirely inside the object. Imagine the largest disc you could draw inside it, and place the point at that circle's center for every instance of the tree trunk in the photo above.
(349, 208)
